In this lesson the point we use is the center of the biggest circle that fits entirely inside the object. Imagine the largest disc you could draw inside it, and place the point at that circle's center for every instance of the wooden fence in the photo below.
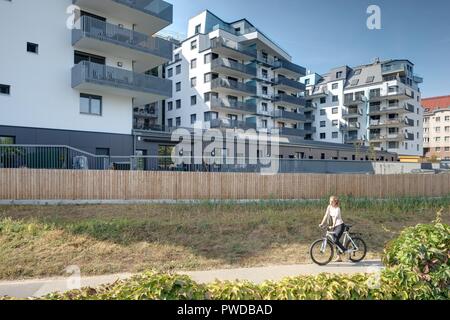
(26, 184)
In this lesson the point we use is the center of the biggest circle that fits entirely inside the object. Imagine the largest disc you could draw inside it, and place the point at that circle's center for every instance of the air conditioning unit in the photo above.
(80, 163)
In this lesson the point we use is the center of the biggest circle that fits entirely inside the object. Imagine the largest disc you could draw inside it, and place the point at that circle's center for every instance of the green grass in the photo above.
(39, 241)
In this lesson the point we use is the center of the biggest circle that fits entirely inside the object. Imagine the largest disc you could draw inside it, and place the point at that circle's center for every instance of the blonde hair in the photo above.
(334, 199)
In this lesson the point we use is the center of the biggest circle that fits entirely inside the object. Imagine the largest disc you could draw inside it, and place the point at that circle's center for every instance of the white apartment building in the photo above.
(83, 87)
(376, 105)
(436, 128)
(231, 75)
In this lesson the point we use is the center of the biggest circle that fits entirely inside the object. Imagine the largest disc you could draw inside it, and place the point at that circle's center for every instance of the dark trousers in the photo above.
(338, 231)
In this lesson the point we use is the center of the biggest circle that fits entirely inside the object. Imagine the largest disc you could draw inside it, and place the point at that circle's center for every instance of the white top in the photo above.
(335, 214)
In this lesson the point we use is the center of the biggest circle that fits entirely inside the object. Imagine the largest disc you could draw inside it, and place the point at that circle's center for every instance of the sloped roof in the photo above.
(436, 103)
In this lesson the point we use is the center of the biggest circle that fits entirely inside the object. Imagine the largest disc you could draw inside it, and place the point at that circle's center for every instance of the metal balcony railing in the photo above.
(88, 72)
(247, 106)
(291, 132)
(298, 101)
(157, 8)
(283, 64)
(231, 124)
(234, 85)
(96, 29)
(225, 63)
(223, 43)
(289, 83)
(282, 114)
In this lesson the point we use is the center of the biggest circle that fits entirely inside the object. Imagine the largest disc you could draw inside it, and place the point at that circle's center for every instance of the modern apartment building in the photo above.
(87, 84)
(377, 105)
(436, 127)
(231, 75)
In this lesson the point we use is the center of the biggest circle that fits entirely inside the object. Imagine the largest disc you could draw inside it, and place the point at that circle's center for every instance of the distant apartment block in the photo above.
(86, 87)
(232, 75)
(377, 105)
(436, 128)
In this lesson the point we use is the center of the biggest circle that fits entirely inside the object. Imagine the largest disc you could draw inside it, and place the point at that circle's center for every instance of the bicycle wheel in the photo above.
(321, 254)
(359, 254)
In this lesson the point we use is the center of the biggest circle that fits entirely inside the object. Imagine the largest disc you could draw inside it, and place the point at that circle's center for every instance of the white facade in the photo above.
(231, 75)
(376, 105)
(42, 93)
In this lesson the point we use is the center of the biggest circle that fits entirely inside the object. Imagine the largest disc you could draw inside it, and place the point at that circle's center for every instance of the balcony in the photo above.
(231, 124)
(88, 76)
(417, 79)
(392, 108)
(310, 118)
(310, 106)
(351, 126)
(392, 123)
(400, 94)
(400, 136)
(353, 139)
(234, 106)
(287, 115)
(352, 113)
(291, 69)
(310, 130)
(286, 99)
(356, 100)
(234, 69)
(291, 132)
(394, 68)
(232, 49)
(147, 52)
(149, 16)
(233, 87)
(283, 83)
(146, 112)
(321, 92)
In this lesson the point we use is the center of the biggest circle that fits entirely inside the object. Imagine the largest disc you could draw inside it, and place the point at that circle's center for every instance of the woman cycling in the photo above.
(333, 220)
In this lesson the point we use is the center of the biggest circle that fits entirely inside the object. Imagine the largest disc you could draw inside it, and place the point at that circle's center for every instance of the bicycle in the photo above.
(322, 250)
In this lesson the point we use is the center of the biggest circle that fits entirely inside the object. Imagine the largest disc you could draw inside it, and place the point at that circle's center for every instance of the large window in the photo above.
(5, 89)
(90, 104)
(7, 140)
(83, 56)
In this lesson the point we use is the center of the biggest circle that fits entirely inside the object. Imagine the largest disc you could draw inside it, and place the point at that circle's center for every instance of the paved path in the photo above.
(38, 288)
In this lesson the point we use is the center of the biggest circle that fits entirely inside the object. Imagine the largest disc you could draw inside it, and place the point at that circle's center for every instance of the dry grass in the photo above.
(43, 241)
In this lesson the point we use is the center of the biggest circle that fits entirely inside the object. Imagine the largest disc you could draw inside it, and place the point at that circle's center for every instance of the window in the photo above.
(335, 110)
(178, 104)
(335, 86)
(83, 56)
(447, 118)
(265, 73)
(370, 79)
(178, 86)
(339, 74)
(307, 82)
(335, 123)
(90, 104)
(170, 123)
(193, 82)
(438, 149)
(170, 72)
(335, 99)
(323, 100)
(323, 136)
(207, 58)
(437, 129)
(210, 76)
(264, 90)
(193, 100)
(208, 96)
(354, 82)
(193, 63)
(32, 47)
(178, 121)
(264, 106)
(264, 124)
(193, 118)
(438, 119)
(7, 140)
(357, 72)
(323, 112)
(5, 89)
(178, 68)
(323, 124)
(335, 135)
(208, 116)
(198, 29)
(170, 106)
(194, 45)
(177, 57)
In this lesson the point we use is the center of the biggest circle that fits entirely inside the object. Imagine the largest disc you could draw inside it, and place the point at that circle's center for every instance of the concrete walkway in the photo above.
(41, 287)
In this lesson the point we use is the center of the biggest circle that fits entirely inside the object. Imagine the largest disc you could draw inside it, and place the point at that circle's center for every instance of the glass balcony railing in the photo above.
(282, 81)
(157, 8)
(294, 132)
(288, 115)
(221, 43)
(233, 85)
(231, 124)
(285, 98)
(88, 72)
(393, 68)
(96, 29)
(236, 66)
(283, 64)
(242, 106)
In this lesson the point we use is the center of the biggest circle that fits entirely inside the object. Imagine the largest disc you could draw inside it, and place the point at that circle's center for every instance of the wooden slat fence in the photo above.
(26, 184)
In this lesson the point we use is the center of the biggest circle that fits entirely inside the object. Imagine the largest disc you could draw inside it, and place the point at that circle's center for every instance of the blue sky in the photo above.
(329, 33)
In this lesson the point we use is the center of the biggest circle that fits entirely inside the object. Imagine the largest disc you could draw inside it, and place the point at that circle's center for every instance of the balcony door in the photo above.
(83, 56)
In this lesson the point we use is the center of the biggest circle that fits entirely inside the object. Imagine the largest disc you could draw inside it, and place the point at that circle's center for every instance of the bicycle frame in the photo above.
(330, 236)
